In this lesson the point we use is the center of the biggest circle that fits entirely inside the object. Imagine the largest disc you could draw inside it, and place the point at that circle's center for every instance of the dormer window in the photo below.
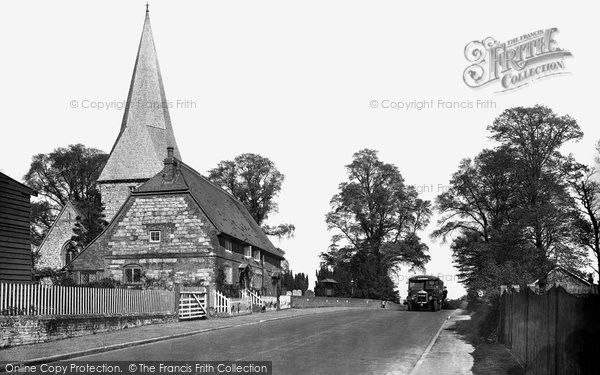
(256, 254)
(248, 251)
(155, 236)
(227, 245)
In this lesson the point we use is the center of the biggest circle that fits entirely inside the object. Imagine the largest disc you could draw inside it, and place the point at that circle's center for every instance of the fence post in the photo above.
(177, 296)
(556, 338)
(208, 298)
(526, 326)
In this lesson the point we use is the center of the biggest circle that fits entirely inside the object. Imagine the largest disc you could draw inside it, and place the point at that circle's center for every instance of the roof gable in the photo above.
(228, 215)
(68, 213)
(565, 272)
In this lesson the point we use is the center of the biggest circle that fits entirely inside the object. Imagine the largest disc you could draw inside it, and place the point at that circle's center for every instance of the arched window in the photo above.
(132, 274)
(69, 252)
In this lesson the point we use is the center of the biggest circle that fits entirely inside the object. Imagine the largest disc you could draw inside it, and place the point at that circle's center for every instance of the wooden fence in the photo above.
(38, 299)
(255, 299)
(192, 303)
(553, 333)
(222, 304)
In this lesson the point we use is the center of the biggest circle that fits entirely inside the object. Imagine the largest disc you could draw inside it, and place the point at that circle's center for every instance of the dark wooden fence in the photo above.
(553, 333)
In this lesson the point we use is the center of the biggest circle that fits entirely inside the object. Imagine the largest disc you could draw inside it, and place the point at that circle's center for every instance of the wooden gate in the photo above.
(192, 304)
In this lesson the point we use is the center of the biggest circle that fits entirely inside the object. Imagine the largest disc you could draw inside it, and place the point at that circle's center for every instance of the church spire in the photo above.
(146, 130)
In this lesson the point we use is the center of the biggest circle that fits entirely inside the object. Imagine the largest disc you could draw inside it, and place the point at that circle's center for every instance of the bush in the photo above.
(61, 278)
(484, 320)
(106, 282)
(453, 304)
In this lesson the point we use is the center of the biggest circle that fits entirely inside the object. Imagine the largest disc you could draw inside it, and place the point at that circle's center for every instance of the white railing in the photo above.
(38, 299)
(254, 298)
(222, 304)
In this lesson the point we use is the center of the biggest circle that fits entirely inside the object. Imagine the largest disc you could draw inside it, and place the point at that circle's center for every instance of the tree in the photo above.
(90, 223)
(586, 190)
(43, 215)
(65, 174)
(535, 135)
(376, 218)
(255, 181)
(291, 281)
(509, 209)
(301, 282)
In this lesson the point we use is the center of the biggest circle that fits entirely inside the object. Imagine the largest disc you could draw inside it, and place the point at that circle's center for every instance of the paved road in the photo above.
(344, 342)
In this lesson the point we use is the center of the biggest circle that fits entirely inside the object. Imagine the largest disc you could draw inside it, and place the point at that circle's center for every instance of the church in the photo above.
(168, 224)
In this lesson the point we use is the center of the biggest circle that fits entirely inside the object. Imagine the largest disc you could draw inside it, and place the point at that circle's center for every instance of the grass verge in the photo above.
(489, 357)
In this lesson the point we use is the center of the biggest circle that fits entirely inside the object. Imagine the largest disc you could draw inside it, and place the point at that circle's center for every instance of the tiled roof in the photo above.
(227, 214)
(146, 129)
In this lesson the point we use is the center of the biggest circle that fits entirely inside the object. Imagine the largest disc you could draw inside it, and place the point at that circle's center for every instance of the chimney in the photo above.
(170, 164)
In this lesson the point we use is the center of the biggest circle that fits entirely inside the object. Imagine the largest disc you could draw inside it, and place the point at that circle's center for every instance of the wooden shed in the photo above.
(16, 260)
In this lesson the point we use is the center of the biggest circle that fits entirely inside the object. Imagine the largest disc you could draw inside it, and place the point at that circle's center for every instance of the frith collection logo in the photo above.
(515, 63)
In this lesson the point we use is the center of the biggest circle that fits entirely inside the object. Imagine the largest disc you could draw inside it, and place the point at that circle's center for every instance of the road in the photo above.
(361, 341)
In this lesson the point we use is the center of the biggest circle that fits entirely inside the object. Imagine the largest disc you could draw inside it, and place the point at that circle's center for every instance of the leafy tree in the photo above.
(65, 174)
(90, 223)
(376, 218)
(255, 181)
(509, 209)
(586, 190)
(43, 215)
(301, 282)
(287, 280)
(291, 281)
(535, 136)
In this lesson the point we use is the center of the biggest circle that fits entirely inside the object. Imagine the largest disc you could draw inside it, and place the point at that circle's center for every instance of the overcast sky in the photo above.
(292, 81)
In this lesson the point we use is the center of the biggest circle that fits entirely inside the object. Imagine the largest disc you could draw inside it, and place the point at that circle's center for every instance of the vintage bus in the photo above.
(425, 293)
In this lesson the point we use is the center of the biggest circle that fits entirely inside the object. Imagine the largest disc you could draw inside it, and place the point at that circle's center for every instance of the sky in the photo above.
(292, 81)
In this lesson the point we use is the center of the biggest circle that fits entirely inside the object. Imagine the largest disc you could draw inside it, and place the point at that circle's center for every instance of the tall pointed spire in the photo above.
(146, 130)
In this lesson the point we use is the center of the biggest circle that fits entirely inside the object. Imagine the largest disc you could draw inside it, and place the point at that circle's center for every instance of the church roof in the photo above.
(227, 214)
(146, 130)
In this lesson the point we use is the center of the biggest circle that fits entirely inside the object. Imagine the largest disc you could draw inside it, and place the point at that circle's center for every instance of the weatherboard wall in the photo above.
(15, 241)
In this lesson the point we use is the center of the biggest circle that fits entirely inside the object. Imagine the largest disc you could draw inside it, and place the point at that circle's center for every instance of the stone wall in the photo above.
(184, 253)
(114, 195)
(262, 272)
(51, 250)
(23, 330)
(299, 302)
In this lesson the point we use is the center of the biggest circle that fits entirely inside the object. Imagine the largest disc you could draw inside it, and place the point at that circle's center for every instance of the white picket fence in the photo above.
(38, 299)
(253, 297)
(222, 304)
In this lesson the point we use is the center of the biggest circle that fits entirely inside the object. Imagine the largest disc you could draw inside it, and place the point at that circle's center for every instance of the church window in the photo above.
(69, 252)
(154, 236)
